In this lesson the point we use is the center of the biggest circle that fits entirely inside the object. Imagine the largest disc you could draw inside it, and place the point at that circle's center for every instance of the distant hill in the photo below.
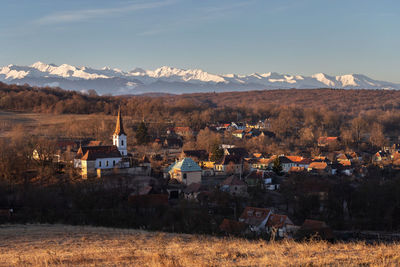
(174, 80)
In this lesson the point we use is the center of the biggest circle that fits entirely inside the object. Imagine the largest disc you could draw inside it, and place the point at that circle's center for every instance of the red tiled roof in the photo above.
(254, 216)
(98, 152)
(318, 165)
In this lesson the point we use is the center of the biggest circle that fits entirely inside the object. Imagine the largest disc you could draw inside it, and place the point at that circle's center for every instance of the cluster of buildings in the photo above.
(194, 176)
(264, 222)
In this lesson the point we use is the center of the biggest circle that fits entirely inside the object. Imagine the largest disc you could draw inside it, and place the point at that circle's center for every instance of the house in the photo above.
(234, 186)
(93, 158)
(381, 156)
(237, 125)
(183, 131)
(319, 167)
(261, 163)
(239, 133)
(100, 160)
(288, 162)
(186, 171)
(255, 218)
(280, 226)
(229, 164)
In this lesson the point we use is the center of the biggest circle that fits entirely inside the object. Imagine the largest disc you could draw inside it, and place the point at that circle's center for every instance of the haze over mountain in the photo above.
(174, 80)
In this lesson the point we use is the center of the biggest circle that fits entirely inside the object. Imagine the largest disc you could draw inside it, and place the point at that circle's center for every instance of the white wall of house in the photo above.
(186, 177)
(107, 163)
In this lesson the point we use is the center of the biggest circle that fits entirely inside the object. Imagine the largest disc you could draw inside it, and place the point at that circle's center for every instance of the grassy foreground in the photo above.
(43, 245)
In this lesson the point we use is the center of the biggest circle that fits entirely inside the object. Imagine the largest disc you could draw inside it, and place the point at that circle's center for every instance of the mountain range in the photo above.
(174, 80)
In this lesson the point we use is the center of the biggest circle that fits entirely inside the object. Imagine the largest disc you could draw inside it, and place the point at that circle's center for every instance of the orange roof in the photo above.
(346, 162)
(295, 158)
(318, 165)
(342, 157)
(254, 216)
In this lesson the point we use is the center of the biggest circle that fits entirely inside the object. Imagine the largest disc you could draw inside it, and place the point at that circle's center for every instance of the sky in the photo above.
(286, 36)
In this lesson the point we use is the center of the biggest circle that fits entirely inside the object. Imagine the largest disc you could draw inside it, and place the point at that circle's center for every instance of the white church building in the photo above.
(102, 160)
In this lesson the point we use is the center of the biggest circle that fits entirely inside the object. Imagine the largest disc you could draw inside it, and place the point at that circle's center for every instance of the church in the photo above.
(104, 160)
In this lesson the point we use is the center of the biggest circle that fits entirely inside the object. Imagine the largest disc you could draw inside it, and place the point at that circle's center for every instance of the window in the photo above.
(122, 142)
(184, 176)
(107, 163)
(113, 162)
(99, 163)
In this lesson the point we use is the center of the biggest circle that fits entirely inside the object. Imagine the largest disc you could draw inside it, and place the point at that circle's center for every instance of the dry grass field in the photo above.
(59, 245)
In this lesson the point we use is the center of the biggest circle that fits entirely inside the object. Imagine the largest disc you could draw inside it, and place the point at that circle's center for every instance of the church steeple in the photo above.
(119, 128)
(119, 136)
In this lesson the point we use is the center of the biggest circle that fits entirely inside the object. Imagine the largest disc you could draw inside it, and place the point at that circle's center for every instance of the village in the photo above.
(245, 193)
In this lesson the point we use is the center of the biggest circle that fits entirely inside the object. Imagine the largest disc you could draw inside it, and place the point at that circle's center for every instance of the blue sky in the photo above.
(288, 36)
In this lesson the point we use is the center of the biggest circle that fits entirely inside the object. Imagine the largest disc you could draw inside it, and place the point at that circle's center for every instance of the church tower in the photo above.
(119, 136)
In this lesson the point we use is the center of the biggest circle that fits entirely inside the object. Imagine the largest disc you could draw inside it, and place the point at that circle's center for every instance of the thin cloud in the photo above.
(87, 14)
(200, 16)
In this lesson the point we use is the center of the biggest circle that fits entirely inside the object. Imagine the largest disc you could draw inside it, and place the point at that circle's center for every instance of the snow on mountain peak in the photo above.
(174, 80)
(323, 78)
(347, 80)
(185, 75)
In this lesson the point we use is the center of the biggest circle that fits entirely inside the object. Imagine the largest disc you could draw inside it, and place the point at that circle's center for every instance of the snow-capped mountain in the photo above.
(173, 80)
